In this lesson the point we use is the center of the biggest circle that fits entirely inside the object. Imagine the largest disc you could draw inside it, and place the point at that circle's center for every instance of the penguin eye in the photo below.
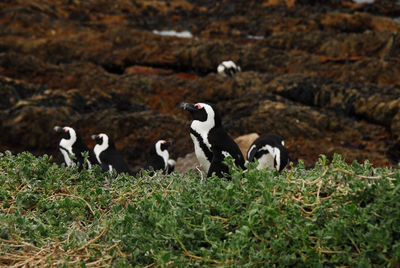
(198, 106)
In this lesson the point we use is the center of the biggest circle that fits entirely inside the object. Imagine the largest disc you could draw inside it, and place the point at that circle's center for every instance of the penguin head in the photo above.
(160, 147)
(68, 135)
(165, 144)
(103, 142)
(203, 114)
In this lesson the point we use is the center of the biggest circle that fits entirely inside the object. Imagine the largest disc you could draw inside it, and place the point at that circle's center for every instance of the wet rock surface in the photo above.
(325, 75)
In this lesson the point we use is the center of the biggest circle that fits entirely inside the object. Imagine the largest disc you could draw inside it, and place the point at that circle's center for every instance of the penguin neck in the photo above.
(164, 155)
(67, 144)
(98, 149)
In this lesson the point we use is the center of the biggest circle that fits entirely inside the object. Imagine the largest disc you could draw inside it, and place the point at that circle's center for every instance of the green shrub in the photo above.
(332, 215)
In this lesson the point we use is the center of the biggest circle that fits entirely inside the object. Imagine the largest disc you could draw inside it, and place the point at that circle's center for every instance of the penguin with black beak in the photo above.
(211, 142)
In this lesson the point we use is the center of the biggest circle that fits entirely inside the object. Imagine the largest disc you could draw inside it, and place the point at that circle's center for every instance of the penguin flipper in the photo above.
(225, 142)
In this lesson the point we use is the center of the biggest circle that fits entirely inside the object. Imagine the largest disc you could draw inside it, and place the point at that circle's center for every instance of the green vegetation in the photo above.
(334, 214)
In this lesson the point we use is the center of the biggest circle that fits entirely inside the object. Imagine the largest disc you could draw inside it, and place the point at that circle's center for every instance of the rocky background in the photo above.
(323, 74)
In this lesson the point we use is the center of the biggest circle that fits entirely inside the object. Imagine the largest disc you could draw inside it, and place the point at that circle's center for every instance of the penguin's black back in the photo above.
(78, 148)
(112, 157)
(221, 142)
(156, 162)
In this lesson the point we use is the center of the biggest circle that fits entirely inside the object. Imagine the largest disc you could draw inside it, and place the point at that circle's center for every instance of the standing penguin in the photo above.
(269, 150)
(72, 144)
(228, 68)
(159, 157)
(107, 154)
(211, 142)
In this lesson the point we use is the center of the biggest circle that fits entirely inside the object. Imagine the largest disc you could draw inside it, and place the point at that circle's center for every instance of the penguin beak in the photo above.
(188, 106)
(168, 143)
(93, 137)
(58, 129)
(165, 145)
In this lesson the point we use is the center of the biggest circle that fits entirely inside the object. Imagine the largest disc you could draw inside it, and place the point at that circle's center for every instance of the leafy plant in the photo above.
(334, 214)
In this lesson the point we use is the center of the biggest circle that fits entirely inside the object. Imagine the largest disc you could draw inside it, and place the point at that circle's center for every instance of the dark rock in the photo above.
(324, 75)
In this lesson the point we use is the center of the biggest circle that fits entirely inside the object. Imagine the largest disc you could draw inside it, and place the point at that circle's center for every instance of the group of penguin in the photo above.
(211, 145)
(104, 153)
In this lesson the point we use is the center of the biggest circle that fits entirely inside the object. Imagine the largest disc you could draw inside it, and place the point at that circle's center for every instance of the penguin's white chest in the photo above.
(269, 158)
(67, 159)
(97, 150)
(201, 156)
(266, 160)
(66, 151)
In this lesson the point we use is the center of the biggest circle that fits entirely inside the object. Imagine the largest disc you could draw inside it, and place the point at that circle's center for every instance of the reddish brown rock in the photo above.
(324, 75)
(245, 141)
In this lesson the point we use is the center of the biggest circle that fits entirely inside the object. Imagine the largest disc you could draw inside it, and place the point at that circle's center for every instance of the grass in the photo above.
(332, 215)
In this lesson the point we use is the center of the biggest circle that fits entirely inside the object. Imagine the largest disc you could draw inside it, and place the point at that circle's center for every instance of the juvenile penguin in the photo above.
(270, 151)
(228, 68)
(159, 157)
(107, 155)
(72, 144)
(211, 142)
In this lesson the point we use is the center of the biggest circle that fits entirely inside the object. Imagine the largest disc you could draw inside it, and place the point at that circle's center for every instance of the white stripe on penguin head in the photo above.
(250, 151)
(203, 127)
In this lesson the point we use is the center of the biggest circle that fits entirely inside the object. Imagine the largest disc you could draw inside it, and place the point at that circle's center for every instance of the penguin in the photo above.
(211, 142)
(159, 157)
(228, 68)
(108, 156)
(269, 150)
(72, 144)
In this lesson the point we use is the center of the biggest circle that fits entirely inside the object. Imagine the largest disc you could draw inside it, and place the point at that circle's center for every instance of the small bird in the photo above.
(72, 144)
(211, 142)
(270, 151)
(228, 68)
(108, 156)
(159, 157)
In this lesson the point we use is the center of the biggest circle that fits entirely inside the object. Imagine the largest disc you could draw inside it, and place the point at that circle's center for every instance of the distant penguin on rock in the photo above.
(71, 144)
(108, 156)
(270, 151)
(211, 142)
(159, 157)
(228, 68)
